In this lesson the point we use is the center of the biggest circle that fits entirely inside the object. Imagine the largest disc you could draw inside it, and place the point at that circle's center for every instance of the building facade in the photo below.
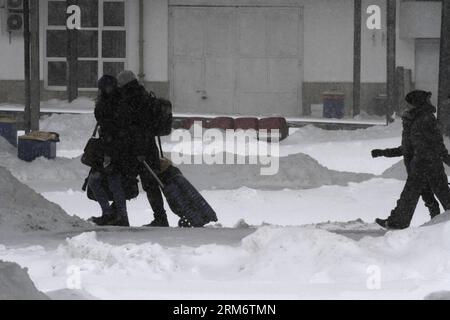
(255, 57)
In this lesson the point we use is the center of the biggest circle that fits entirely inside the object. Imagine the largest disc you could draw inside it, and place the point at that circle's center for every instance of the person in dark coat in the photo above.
(114, 144)
(425, 153)
(406, 152)
(142, 130)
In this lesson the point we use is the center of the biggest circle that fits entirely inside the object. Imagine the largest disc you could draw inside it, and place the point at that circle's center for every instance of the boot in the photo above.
(434, 212)
(119, 221)
(384, 223)
(159, 221)
(104, 220)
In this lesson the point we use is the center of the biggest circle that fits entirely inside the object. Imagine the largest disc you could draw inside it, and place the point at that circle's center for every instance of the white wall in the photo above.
(155, 38)
(328, 41)
(12, 53)
(420, 19)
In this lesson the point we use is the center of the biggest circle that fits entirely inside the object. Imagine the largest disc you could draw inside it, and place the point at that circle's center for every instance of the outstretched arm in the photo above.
(388, 153)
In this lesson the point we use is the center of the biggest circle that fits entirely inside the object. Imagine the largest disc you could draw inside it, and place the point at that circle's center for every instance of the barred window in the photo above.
(101, 42)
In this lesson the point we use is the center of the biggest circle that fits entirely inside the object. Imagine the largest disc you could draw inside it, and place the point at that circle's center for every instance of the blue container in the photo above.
(333, 105)
(29, 150)
(8, 130)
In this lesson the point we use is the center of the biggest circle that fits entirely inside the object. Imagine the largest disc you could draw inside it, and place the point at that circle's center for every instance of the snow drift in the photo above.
(296, 171)
(22, 209)
(44, 173)
(15, 284)
(398, 171)
(288, 257)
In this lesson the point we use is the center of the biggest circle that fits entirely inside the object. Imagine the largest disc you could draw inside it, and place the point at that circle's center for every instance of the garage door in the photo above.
(427, 67)
(236, 60)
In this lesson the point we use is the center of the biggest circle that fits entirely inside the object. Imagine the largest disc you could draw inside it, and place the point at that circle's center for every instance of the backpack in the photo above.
(162, 113)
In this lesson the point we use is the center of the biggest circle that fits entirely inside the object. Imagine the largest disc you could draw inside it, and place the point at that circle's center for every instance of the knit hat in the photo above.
(125, 77)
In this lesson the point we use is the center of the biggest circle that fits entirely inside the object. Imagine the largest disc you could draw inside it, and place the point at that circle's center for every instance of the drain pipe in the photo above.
(141, 73)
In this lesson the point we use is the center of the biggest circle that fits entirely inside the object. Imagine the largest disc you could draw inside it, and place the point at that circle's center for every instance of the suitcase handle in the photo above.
(153, 174)
(160, 147)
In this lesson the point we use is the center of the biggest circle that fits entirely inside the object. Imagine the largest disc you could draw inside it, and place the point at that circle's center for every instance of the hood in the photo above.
(107, 81)
(418, 98)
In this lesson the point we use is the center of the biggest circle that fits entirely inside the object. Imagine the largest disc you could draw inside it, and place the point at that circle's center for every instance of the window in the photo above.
(101, 42)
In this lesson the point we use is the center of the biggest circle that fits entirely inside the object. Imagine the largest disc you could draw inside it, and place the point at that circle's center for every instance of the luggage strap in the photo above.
(94, 134)
(153, 174)
(160, 147)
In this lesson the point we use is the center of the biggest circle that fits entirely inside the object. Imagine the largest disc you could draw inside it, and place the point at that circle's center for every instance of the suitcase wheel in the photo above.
(184, 223)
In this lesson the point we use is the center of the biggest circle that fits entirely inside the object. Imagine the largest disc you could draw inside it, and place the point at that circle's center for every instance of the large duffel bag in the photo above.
(183, 199)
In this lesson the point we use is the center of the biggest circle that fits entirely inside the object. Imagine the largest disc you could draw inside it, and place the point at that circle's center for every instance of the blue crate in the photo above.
(29, 150)
(333, 105)
(8, 130)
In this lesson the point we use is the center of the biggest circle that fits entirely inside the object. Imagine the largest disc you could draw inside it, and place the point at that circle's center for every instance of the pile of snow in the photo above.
(291, 256)
(42, 172)
(296, 171)
(22, 209)
(398, 171)
(74, 131)
(15, 283)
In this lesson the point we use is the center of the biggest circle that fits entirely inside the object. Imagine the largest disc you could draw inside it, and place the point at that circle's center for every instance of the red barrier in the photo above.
(274, 123)
(188, 122)
(223, 123)
(246, 123)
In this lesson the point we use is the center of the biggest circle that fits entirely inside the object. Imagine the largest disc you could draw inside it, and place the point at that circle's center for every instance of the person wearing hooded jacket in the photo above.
(405, 151)
(425, 153)
(135, 102)
(114, 146)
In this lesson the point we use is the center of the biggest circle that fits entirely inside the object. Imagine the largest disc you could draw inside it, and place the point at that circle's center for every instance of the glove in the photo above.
(141, 158)
(107, 165)
(106, 161)
(377, 153)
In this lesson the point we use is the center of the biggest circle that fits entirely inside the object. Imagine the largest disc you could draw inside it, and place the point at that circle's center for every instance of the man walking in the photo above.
(423, 144)
(136, 102)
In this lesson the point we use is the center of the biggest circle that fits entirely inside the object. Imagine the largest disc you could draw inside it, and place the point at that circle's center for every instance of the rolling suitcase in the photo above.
(183, 199)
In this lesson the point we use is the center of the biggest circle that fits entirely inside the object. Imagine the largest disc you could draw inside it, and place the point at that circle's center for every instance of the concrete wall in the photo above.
(420, 19)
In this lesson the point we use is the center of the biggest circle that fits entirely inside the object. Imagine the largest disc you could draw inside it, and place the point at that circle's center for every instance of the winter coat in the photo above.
(421, 137)
(136, 107)
(114, 136)
(425, 140)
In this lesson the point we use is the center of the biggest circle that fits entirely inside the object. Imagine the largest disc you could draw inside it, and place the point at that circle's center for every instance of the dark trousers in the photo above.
(423, 174)
(115, 186)
(430, 201)
(151, 187)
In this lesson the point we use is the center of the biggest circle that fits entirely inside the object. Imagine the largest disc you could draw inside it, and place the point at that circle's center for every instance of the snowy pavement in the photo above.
(367, 201)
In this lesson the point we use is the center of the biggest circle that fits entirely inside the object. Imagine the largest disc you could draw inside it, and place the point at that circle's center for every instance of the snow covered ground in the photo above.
(314, 237)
